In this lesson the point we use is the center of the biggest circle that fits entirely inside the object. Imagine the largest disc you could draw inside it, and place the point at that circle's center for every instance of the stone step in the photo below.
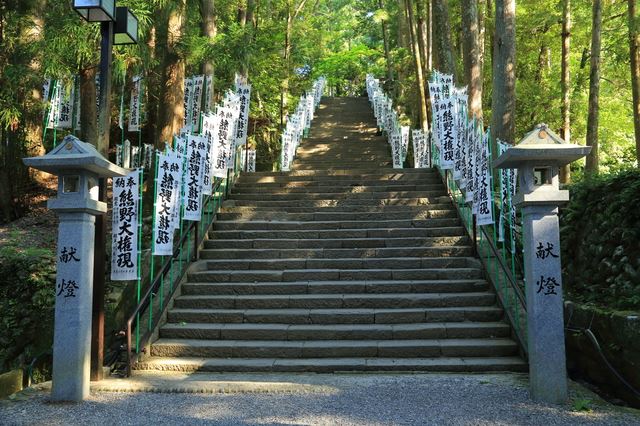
(335, 165)
(336, 301)
(336, 275)
(347, 176)
(338, 202)
(337, 243)
(352, 189)
(339, 183)
(338, 316)
(336, 253)
(352, 171)
(333, 348)
(333, 365)
(314, 234)
(335, 287)
(322, 152)
(375, 196)
(282, 214)
(290, 225)
(344, 263)
(310, 332)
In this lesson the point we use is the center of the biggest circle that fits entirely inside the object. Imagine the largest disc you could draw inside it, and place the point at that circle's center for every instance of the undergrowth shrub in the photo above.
(601, 241)
(27, 291)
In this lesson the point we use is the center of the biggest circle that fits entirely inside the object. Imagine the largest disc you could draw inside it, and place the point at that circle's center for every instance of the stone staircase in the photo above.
(342, 264)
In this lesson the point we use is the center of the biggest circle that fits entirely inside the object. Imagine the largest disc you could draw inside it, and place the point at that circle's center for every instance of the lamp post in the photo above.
(126, 32)
(538, 158)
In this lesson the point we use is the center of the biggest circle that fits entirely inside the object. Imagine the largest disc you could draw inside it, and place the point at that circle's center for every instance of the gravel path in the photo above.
(426, 399)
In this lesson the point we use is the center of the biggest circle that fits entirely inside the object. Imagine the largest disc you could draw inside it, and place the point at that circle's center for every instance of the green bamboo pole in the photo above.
(140, 242)
(153, 242)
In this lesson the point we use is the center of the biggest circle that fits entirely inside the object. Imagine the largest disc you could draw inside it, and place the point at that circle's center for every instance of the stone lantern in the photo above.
(78, 166)
(538, 158)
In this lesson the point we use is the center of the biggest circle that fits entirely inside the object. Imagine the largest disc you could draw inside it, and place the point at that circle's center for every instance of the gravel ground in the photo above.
(426, 399)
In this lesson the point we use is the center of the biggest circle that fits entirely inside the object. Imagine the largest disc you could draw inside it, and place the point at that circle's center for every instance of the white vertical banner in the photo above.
(460, 120)
(196, 153)
(77, 108)
(508, 178)
(222, 150)
(148, 156)
(471, 159)
(188, 101)
(485, 198)
(165, 186)
(396, 149)
(124, 234)
(250, 158)
(464, 154)
(244, 93)
(208, 128)
(208, 94)
(198, 86)
(54, 105)
(176, 170)
(65, 111)
(119, 155)
(311, 109)
(134, 105)
(477, 148)
(447, 133)
(285, 162)
(404, 141)
(135, 157)
(421, 154)
(126, 154)
(46, 89)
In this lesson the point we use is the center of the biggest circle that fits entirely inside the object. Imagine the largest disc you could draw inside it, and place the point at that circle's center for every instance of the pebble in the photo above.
(341, 399)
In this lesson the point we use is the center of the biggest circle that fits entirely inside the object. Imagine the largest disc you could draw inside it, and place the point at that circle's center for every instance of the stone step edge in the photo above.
(439, 228)
(329, 365)
(354, 282)
(311, 311)
(438, 295)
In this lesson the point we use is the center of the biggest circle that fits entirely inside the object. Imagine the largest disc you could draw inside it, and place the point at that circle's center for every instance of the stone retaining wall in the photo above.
(619, 337)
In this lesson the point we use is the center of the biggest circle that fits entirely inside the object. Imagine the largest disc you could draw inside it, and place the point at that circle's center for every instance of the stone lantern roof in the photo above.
(541, 147)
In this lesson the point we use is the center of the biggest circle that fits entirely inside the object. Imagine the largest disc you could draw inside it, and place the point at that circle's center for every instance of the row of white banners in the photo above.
(299, 121)
(64, 105)
(397, 135)
(458, 144)
(184, 173)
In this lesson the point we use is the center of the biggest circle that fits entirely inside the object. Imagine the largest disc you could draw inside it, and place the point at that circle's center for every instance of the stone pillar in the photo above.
(79, 167)
(74, 292)
(545, 321)
(538, 158)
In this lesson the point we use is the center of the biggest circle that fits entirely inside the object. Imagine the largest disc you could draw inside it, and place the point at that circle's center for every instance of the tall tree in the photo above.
(421, 94)
(385, 40)
(634, 52)
(482, 10)
(171, 111)
(208, 29)
(565, 172)
(422, 19)
(472, 63)
(593, 163)
(445, 59)
(503, 99)
(293, 11)
(88, 111)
